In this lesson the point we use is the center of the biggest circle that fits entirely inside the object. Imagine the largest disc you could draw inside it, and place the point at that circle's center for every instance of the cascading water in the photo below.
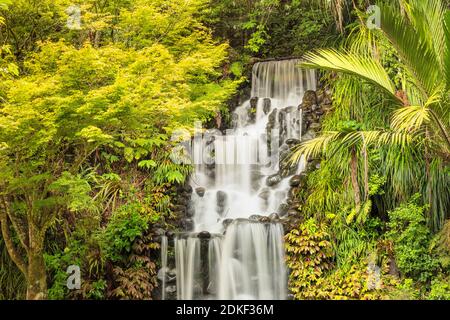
(236, 249)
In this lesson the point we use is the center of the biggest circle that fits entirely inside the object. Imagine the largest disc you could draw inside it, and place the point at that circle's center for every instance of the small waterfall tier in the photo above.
(235, 249)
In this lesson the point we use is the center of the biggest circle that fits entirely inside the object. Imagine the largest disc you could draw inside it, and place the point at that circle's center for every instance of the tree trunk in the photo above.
(354, 177)
(37, 277)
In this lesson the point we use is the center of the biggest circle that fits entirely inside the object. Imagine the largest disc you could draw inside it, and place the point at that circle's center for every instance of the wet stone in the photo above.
(200, 191)
(273, 180)
(254, 102)
(266, 105)
(283, 208)
(255, 217)
(264, 194)
(274, 217)
(295, 181)
(292, 142)
(204, 235)
(227, 222)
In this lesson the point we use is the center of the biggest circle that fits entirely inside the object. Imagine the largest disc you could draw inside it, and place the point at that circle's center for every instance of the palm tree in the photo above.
(419, 31)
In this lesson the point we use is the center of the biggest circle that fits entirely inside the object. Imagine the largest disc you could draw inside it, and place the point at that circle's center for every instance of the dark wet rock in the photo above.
(315, 107)
(252, 110)
(292, 142)
(170, 234)
(282, 209)
(227, 222)
(271, 119)
(264, 194)
(273, 180)
(264, 219)
(295, 181)
(255, 217)
(188, 224)
(221, 197)
(274, 217)
(210, 139)
(254, 102)
(292, 213)
(309, 98)
(204, 235)
(190, 211)
(200, 191)
(293, 192)
(266, 105)
(188, 188)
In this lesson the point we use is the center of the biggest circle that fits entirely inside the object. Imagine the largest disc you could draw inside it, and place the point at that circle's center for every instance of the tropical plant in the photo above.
(420, 36)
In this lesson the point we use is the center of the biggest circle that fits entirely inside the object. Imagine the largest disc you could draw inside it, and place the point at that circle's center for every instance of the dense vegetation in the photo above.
(88, 108)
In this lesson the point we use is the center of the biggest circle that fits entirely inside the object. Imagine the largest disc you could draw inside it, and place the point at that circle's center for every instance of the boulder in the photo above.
(204, 235)
(273, 180)
(292, 142)
(274, 217)
(255, 217)
(267, 103)
(282, 209)
(254, 102)
(200, 191)
(295, 181)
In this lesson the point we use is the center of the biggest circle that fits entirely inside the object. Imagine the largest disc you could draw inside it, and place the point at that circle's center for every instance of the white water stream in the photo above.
(247, 262)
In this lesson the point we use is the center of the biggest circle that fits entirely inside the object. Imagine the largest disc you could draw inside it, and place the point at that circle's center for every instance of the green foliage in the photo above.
(126, 224)
(309, 256)
(411, 240)
(440, 289)
(273, 28)
(85, 129)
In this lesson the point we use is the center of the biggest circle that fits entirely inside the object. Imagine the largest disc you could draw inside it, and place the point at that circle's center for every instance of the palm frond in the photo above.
(314, 147)
(427, 17)
(447, 48)
(360, 65)
(413, 46)
(411, 118)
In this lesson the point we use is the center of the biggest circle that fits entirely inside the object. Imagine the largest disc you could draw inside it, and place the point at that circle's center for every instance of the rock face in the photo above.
(309, 98)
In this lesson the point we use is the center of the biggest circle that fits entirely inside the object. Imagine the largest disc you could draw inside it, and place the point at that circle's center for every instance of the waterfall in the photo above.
(164, 247)
(236, 250)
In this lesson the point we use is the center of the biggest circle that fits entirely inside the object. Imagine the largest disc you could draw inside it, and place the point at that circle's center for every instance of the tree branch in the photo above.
(15, 256)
